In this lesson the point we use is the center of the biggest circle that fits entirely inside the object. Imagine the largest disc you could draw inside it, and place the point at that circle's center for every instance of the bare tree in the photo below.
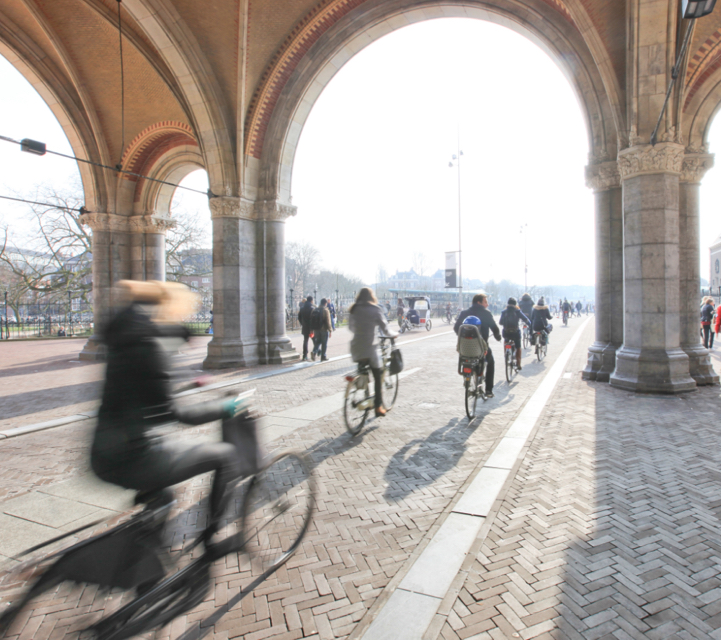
(187, 244)
(57, 258)
(302, 260)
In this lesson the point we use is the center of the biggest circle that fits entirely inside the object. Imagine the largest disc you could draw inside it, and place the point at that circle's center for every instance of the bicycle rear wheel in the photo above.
(277, 510)
(471, 396)
(356, 396)
(390, 389)
(509, 364)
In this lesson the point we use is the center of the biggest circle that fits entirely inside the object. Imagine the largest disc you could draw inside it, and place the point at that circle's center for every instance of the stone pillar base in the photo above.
(652, 371)
(601, 362)
(700, 366)
(93, 351)
(280, 351)
(230, 354)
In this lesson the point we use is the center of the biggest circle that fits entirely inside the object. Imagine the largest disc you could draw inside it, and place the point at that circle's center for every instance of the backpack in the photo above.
(316, 319)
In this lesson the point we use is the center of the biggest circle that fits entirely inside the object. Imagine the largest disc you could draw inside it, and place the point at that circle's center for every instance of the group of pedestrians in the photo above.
(710, 321)
(317, 323)
(536, 316)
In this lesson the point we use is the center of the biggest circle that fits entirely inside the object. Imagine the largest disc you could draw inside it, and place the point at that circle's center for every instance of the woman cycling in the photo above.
(137, 398)
(365, 316)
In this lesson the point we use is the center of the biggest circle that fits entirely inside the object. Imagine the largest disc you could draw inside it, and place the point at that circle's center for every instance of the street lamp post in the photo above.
(7, 328)
(457, 158)
(524, 231)
(315, 293)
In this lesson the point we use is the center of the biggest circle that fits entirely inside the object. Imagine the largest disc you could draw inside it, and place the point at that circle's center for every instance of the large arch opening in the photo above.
(371, 176)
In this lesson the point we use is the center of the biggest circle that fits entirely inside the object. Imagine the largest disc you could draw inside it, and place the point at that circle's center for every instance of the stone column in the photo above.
(274, 346)
(148, 246)
(111, 244)
(235, 341)
(605, 181)
(651, 358)
(695, 165)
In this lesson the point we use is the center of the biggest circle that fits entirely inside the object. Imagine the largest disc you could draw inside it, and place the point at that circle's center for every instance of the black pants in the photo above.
(490, 370)
(165, 462)
(707, 336)
(378, 387)
(306, 337)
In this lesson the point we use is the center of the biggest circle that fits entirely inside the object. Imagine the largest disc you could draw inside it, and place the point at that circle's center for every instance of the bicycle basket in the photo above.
(396, 363)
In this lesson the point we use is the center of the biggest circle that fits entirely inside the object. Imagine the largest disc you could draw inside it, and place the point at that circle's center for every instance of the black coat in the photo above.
(526, 304)
(707, 313)
(540, 317)
(137, 391)
(304, 317)
(486, 318)
(511, 316)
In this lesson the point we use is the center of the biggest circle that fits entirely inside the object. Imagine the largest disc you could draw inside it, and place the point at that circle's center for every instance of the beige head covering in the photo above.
(173, 300)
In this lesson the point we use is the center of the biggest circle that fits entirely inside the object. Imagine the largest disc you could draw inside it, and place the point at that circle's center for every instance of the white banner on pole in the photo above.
(451, 269)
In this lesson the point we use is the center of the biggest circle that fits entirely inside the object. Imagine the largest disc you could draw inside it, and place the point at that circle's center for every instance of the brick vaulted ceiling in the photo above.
(234, 58)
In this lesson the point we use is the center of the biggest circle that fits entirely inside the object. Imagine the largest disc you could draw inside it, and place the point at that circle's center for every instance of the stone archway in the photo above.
(310, 59)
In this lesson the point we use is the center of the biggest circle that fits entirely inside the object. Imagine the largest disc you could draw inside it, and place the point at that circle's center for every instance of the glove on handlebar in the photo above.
(235, 407)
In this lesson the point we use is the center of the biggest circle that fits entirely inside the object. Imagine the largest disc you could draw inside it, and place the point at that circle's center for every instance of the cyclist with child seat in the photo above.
(479, 309)
(365, 316)
(137, 398)
(539, 320)
(510, 317)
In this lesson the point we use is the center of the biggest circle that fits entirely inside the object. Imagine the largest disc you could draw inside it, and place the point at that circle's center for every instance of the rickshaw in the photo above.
(418, 314)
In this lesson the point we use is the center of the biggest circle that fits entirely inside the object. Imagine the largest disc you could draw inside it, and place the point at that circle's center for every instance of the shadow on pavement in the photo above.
(20, 404)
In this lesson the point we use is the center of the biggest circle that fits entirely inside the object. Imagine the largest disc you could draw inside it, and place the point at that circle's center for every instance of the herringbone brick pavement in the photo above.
(610, 528)
(380, 493)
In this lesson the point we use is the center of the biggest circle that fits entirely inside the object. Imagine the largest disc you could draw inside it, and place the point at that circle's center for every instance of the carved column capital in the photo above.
(665, 157)
(274, 211)
(231, 207)
(150, 223)
(105, 221)
(695, 166)
(603, 176)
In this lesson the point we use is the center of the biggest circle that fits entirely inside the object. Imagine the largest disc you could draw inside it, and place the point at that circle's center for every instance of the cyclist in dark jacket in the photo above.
(137, 398)
(510, 317)
(526, 304)
(479, 308)
(539, 320)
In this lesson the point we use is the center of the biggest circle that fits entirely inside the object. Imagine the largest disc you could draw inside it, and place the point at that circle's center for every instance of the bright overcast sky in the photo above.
(371, 179)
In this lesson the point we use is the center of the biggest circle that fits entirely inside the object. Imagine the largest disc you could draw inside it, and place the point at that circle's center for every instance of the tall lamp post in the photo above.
(292, 309)
(457, 160)
(7, 328)
(315, 294)
(524, 231)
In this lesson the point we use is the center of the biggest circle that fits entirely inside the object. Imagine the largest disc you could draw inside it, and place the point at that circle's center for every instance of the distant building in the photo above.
(404, 280)
(715, 264)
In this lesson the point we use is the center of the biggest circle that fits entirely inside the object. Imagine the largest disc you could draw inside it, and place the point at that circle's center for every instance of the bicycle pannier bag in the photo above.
(396, 364)
(242, 432)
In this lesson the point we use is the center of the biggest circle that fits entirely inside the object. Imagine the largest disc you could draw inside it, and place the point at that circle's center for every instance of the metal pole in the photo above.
(7, 328)
(292, 311)
(460, 272)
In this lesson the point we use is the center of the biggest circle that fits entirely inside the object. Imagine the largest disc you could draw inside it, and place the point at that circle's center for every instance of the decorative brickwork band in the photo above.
(695, 166)
(231, 207)
(603, 176)
(105, 222)
(150, 223)
(665, 157)
(273, 210)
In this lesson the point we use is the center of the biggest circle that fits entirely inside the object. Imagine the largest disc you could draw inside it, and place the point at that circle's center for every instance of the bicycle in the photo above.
(268, 515)
(565, 318)
(448, 318)
(526, 336)
(509, 356)
(358, 400)
(473, 370)
(541, 344)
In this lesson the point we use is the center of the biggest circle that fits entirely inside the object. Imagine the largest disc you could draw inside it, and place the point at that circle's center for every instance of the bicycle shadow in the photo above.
(326, 448)
(422, 461)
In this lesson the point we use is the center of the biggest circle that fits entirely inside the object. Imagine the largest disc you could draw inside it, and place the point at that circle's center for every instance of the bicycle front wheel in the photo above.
(390, 389)
(277, 510)
(355, 405)
(526, 340)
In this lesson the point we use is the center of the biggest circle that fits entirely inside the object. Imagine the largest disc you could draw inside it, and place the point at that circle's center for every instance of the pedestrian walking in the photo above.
(707, 313)
(305, 322)
(331, 310)
(322, 330)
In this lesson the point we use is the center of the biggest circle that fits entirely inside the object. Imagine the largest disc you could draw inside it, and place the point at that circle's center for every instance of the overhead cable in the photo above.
(81, 210)
(25, 142)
